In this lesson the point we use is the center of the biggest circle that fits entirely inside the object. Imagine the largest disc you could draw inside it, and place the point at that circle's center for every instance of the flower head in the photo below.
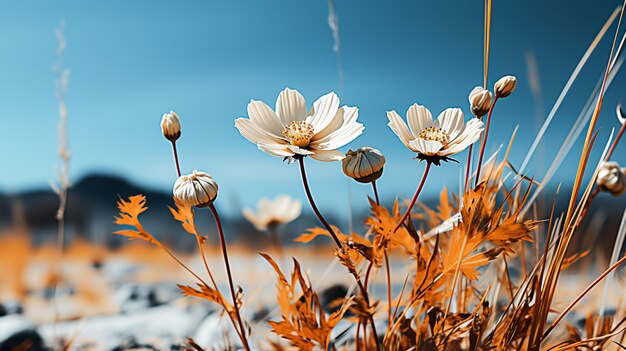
(611, 178)
(283, 209)
(435, 140)
(480, 101)
(291, 131)
(364, 165)
(170, 125)
(196, 189)
(505, 86)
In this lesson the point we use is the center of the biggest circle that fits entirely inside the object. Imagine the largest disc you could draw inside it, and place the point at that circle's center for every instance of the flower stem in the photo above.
(375, 193)
(617, 138)
(338, 243)
(417, 193)
(230, 277)
(314, 207)
(484, 141)
(387, 266)
(468, 167)
(176, 157)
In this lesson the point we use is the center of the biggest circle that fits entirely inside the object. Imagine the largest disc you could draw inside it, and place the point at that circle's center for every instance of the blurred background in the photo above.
(130, 62)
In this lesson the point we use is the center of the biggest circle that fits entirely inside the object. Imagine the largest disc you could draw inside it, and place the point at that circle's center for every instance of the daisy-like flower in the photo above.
(435, 140)
(271, 213)
(292, 132)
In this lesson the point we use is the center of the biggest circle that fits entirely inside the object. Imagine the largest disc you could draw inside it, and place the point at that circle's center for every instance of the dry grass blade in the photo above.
(566, 88)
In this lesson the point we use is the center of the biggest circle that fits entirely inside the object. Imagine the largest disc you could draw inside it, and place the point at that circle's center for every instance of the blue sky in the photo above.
(131, 61)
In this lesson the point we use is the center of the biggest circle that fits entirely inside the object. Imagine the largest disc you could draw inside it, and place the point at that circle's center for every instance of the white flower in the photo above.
(480, 101)
(170, 126)
(291, 131)
(611, 178)
(196, 189)
(364, 165)
(443, 137)
(283, 209)
(505, 86)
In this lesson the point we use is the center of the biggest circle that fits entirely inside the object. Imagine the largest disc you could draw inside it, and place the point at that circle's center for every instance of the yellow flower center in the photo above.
(299, 133)
(432, 133)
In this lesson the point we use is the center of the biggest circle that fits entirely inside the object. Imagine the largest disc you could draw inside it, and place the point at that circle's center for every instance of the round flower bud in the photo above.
(480, 101)
(505, 86)
(195, 189)
(611, 178)
(170, 126)
(364, 165)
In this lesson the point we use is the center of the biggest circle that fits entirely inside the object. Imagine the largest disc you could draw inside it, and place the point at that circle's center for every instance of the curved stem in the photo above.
(415, 196)
(387, 266)
(176, 157)
(330, 230)
(230, 277)
(484, 141)
(314, 207)
(617, 138)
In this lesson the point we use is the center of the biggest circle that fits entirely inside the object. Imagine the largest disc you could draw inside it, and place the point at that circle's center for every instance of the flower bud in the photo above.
(611, 178)
(505, 86)
(170, 126)
(196, 189)
(480, 101)
(364, 165)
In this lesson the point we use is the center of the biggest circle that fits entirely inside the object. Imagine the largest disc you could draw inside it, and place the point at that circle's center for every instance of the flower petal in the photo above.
(299, 150)
(255, 133)
(252, 218)
(419, 118)
(426, 147)
(340, 137)
(400, 128)
(470, 135)
(290, 106)
(324, 109)
(263, 116)
(277, 150)
(451, 121)
(327, 155)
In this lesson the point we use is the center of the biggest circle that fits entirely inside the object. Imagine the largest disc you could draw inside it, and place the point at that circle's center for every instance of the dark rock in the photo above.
(332, 297)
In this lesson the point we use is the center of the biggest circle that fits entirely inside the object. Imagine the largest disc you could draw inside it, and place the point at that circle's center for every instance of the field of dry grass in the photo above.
(485, 268)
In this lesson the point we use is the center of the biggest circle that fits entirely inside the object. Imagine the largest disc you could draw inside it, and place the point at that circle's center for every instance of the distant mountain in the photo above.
(92, 200)
(91, 208)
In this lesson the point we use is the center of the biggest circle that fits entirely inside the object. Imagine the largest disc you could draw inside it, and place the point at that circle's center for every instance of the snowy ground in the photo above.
(129, 300)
